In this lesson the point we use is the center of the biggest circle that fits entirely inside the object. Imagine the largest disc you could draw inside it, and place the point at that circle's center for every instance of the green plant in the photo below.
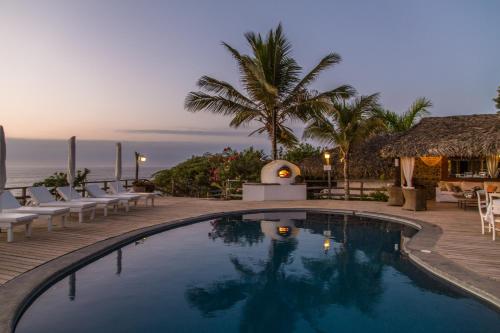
(201, 175)
(344, 125)
(379, 196)
(299, 153)
(60, 179)
(274, 91)
(396, 123)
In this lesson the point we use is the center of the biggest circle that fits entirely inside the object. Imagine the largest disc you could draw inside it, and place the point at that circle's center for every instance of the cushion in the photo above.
(449, 187)
(466, 186)
(491, 188)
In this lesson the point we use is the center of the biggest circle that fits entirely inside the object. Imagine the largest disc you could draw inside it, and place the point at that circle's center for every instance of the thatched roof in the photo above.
(466, 136)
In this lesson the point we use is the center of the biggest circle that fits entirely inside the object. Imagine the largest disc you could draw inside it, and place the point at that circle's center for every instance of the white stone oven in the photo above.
(278, 182)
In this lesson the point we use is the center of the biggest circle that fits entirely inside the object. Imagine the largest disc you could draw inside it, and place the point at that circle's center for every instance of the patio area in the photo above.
(461, 240)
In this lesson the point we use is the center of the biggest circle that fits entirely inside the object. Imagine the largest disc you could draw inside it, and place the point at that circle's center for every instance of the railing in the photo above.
(23, 195)
(316, 189)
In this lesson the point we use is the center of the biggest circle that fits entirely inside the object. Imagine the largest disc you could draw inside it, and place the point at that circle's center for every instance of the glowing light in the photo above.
(284, 172)
(326, 244)
(142, 159)
(431, 160)
(284, 230)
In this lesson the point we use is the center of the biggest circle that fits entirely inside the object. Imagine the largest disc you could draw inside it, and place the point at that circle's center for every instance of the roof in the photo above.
(465, 136)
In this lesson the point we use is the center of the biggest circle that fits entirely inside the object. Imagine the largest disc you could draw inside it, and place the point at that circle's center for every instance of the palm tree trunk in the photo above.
(346, 176)
(274, 136)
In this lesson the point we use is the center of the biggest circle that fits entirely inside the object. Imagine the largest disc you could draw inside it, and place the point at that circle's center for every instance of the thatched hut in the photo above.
(462, 149)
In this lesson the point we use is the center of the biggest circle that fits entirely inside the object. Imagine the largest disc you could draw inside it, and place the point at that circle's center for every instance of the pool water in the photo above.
(269, 272)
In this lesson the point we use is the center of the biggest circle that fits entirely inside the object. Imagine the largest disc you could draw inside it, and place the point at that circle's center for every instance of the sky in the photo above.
(120, 70)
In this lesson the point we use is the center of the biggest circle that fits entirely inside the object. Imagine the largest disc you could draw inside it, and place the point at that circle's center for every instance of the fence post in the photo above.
(23, 196)
(361, 190)
(105, 185)
(83, 189)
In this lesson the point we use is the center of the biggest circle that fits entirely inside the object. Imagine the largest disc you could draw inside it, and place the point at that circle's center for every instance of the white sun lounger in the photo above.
(70, 194)
(116, 187)
(10, 204)
(10, 220)
(40, 196)
(95, 191)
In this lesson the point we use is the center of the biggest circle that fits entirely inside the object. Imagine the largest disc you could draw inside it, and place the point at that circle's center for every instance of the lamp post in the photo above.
(138, 158)
(328, 168)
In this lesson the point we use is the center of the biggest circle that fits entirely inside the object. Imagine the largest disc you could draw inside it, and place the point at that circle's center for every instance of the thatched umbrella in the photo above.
(118, 162)
(71, 162)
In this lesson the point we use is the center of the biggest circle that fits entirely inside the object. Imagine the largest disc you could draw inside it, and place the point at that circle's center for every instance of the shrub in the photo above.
(201, 175)
(60, 179)
(379, 196)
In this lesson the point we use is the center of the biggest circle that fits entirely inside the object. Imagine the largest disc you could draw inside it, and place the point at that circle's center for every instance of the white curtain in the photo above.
(407, 166)
(492, 165)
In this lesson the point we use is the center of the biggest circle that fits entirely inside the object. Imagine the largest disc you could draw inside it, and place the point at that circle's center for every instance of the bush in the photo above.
(209, 173)
(60, 179)
(379, 196)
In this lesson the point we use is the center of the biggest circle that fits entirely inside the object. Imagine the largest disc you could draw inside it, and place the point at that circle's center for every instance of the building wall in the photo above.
(427, 177)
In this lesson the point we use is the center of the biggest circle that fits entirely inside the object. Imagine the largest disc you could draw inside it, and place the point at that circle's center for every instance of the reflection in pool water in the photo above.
(269, 272)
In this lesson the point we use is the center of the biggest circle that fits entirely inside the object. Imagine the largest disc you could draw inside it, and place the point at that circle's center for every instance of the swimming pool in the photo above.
(264, 272)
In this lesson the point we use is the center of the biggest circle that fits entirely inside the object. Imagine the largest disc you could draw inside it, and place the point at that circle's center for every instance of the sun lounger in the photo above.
(95, 191)
(10, 220)
(116, 187)
(70, 194)
(40, 196)
(10, 204)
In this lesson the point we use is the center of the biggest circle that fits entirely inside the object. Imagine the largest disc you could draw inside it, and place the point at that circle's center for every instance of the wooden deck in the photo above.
(461, 241)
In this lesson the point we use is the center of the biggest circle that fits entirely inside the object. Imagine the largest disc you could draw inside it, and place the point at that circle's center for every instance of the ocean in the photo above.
(27, 175)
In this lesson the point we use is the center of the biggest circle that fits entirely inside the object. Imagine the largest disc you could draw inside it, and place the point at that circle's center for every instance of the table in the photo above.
(467, 202)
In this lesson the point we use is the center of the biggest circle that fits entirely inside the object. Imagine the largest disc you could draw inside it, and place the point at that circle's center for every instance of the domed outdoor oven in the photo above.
(279, 181)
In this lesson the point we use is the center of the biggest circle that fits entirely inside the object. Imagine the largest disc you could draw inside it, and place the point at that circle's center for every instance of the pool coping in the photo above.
(19, 293)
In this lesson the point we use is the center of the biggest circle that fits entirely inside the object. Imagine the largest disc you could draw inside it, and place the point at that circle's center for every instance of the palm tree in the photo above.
(343, 125)
(396, 123)
(274, 92)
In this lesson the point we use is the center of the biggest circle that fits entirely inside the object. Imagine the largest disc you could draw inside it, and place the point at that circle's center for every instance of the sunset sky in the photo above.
(120, 70)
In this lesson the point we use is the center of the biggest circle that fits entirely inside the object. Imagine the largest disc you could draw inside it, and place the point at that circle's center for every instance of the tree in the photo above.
(346, 123)
(274, 92)
(396, 123)
(497, 100)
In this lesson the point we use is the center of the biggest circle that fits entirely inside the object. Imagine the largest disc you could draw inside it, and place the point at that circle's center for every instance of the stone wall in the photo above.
(427, 176)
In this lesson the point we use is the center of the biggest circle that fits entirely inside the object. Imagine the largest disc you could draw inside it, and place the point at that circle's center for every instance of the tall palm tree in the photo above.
(396, 123)
(343, 125)
(274, 92)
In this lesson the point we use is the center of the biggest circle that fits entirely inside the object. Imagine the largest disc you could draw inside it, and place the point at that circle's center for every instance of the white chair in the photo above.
(9, 204)
(10, 220)
(494, 213)
(95, 191)
(40, 196)
(70, 194)
(482, 206)
(116, 187)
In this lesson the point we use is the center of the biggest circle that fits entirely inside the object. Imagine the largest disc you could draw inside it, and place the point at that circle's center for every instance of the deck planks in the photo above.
(461, 242)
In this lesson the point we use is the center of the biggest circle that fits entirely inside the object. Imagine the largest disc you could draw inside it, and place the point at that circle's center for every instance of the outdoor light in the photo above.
(328, 168)
(396, 162)
(327, 157)
(138, 158)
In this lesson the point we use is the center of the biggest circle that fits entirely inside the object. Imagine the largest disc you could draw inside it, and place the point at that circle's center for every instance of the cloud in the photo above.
(190, 132)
